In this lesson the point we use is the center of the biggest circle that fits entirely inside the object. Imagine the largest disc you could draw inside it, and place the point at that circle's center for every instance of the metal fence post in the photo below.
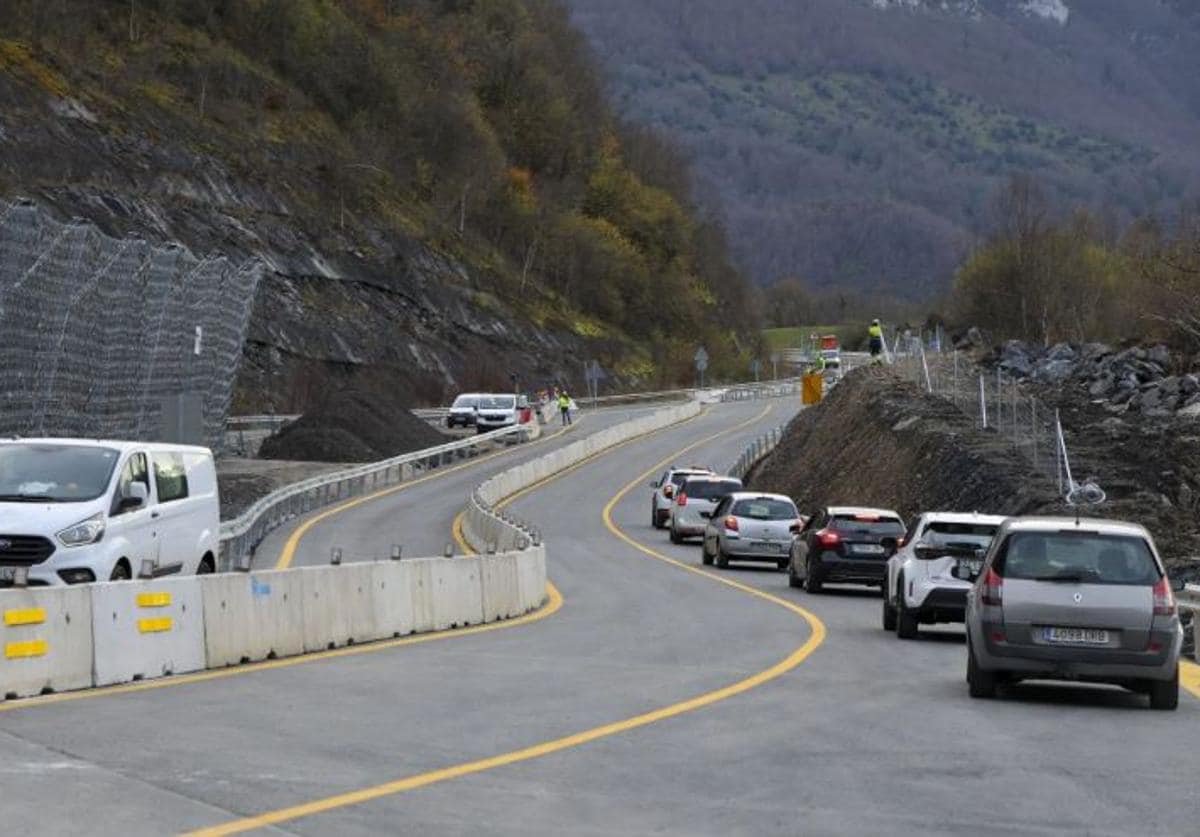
(983, 402)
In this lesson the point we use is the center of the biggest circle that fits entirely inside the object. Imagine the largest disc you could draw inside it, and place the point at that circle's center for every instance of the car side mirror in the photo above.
(889, 543)
(134, 496)
(795, 528)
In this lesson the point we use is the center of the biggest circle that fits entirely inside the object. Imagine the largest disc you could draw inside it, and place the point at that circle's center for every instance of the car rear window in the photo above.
(465, 401)
(766, 509)
(711, 489)
(680, 477)
(865, 524)
(1087, 557)
(942, 533)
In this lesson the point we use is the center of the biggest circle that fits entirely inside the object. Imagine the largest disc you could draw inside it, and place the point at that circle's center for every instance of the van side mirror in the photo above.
(134, 496)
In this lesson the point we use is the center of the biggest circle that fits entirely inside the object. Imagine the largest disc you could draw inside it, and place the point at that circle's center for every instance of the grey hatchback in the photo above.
(747, 526)
(1065, 599)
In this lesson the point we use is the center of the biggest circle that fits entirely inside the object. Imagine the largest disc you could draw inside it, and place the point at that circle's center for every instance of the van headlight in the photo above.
(83, 532)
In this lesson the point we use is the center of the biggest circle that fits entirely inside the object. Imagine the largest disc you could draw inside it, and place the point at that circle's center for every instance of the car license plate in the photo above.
(969, 568)
(1076, 636)
(766, 546)
(867, 549)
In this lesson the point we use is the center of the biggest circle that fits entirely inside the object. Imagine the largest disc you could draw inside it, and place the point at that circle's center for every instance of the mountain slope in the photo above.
(438, 189)
(860, 142)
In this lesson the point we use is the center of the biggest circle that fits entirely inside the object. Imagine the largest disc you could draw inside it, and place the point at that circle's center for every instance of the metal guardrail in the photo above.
(242, 535)
(756, 451)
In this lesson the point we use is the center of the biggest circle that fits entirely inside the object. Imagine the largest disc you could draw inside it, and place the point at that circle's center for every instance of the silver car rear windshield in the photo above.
(764, 509)
(54, 473)
(1085, 557)
(497, 402)
(710, 489)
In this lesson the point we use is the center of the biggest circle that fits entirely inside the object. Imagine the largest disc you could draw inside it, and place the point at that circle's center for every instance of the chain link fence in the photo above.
(103, 337)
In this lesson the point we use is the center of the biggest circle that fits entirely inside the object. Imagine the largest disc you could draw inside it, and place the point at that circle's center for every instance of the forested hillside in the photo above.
(439, 183)
(860, 143)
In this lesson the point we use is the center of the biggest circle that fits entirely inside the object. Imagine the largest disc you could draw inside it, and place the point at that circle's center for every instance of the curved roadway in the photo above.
(654, 700)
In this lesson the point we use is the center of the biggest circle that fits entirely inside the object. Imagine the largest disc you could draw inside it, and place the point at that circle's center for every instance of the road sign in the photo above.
(701, 359)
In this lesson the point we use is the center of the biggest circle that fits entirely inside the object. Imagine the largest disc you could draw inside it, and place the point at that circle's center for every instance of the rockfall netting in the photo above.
(100, 336)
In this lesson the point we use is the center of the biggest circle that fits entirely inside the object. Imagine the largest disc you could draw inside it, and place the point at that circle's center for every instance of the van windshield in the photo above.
(1086, 557)
(497, 402)
(465, 401)
(54, 473)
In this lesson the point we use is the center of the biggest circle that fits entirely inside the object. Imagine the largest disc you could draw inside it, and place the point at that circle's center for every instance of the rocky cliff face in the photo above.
(338, 296)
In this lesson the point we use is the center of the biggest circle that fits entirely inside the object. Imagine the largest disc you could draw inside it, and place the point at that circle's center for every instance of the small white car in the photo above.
(74, 511)
(928, 578)
(664, 492)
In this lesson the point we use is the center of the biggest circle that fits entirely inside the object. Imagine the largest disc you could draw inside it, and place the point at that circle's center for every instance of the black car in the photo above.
(844, 545)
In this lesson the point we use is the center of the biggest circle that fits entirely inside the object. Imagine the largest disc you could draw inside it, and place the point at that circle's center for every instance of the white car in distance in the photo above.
(928, 578)
(79, 510)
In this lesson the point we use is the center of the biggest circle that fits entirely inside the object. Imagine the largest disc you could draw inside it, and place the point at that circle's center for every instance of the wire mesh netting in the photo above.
(101, 334)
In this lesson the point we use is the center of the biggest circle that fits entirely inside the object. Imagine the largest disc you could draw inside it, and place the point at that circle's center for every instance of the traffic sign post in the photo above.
(756, 365)
(701, 364)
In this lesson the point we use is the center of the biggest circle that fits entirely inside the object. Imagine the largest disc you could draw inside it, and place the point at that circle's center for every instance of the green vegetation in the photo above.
(477, 126)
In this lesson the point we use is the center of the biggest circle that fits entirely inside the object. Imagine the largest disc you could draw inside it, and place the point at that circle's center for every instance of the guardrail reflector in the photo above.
(154, 626)
(31, 616)
(29, 648)
(153, 599)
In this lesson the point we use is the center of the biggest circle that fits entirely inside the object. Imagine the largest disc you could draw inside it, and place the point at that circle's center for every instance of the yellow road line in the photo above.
(785, 665)
(1189, 677)
(293, 541)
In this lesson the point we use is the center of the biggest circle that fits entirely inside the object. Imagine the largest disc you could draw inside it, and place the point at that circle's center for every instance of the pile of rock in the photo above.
(1137, 379)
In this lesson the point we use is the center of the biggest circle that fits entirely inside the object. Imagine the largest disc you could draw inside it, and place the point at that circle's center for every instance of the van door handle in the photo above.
(154, 515)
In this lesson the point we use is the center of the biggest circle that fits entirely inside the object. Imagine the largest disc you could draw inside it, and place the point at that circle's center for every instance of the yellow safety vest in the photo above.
(875, 331)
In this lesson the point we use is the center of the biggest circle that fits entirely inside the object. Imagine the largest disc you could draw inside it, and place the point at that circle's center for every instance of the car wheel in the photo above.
(654, 521)
(705, 556)
(906, 620)
(1164, 694)
(675, 536)
(722, 558)
(889, 613)
(980, 683)
(121, 571)
(793, 579)
(812, 579)
(782, 564)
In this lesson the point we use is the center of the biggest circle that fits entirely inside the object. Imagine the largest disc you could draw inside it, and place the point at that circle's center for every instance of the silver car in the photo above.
(747, 526)
(694, 503)
(1066, 599)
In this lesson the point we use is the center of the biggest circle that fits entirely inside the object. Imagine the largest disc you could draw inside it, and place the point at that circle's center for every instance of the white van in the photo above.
(74, 510)
(497, 410)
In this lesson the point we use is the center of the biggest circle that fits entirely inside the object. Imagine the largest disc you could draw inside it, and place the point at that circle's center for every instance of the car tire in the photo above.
(980, 683)
(906, 620)
(654, 521)
(889, 613)
(675, 536)
(813, 584)
(1164, 694)
(722, 558)
(782, 565)
(793, 579)
(705, 556)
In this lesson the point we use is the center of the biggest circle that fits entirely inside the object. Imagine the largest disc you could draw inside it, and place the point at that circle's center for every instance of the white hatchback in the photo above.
(74, 510)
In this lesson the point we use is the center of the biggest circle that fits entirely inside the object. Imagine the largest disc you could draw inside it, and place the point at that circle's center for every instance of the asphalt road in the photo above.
(657, 699)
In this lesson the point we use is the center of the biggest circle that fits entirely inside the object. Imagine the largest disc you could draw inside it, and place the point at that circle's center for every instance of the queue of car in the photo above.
(1042, 598)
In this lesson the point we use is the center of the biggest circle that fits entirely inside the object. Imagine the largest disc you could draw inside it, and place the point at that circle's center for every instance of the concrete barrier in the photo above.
(501, 590)
(531, 578)
(145, 629)
(457, 593)
(46, 636)
(420, 586)
(252, 617)
(392, 599)
(339, 606)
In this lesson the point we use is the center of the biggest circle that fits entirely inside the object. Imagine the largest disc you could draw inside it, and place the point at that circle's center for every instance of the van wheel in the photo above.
(1164, 694)
(980, 683)
(121, 571)
(206, 566)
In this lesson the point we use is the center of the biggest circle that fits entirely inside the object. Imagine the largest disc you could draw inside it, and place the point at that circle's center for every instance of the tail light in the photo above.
(1164, 599)
(900, 542)
(668, 491)
(731, 524)
(682, 501)
(828, 538)
(993, 589)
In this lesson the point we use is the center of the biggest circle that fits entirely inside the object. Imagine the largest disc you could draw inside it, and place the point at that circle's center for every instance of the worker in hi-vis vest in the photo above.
(875, 333)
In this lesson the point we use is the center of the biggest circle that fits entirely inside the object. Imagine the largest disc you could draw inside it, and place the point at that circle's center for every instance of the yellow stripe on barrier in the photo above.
(32, 616)
(154, 626)
(29, 648)
(153, 599)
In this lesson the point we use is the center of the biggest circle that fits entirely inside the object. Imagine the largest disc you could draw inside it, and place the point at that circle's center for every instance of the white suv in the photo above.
(928, 578)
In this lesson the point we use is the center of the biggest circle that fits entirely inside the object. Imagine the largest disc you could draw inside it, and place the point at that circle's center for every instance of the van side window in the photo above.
(170, 475)
(135, 470)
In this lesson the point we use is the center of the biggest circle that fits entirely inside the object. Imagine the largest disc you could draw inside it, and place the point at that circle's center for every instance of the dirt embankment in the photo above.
(878, 441)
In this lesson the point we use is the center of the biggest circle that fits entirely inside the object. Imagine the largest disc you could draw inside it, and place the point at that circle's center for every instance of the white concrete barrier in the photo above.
(531, 578)
(420, 585)
(501, 590)
(339, 606)
(46, 638)
(392, 599)
(457, 593)
(252, 617)
(145, 629)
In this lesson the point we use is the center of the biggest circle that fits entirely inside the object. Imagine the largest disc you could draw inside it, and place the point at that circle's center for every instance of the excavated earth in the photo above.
(880, 441)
